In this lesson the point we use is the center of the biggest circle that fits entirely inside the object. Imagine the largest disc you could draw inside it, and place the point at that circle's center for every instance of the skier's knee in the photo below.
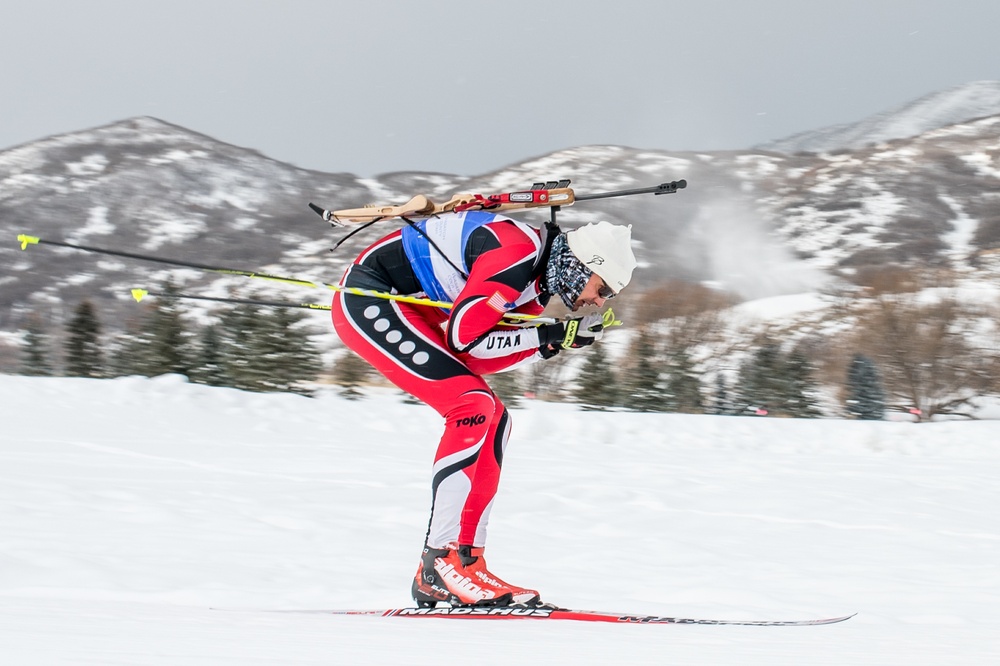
(473, 414)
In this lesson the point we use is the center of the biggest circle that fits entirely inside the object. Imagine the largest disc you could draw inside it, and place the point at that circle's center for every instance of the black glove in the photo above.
(571, 334)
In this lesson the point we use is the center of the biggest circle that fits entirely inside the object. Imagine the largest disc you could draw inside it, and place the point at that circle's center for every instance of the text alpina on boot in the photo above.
(475, 565)
(441, 577)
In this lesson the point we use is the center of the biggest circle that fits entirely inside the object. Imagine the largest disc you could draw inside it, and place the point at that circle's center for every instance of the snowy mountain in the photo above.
(755, 223)
(930, 200)
(947, 107)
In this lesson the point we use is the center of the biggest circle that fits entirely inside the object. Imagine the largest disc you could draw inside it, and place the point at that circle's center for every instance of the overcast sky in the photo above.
(467, 87)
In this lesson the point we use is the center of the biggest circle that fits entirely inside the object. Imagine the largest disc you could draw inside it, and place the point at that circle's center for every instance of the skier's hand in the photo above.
(583, 331)
(572, 334)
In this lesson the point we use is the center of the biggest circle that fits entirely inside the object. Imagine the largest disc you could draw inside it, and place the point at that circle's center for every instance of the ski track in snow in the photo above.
(131, 508)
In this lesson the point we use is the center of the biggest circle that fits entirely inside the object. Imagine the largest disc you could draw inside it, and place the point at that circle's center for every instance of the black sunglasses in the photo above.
(604, 291)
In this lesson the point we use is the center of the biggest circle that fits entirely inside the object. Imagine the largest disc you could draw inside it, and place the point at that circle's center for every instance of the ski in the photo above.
(527, 613)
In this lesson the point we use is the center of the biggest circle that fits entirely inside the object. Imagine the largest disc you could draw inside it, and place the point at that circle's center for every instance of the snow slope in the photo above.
(938, 109)
(130, 508)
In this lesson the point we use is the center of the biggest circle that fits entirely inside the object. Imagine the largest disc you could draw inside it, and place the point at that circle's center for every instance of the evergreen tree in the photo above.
(507, 386)
(83, 351)
(781, 384)
(297, 360)
(266, 351)
(239, 326)
(118, 363)
(645, 386)
(597, 383)
(168, 341)
(129, 353)
(721, 401)
(155, 345)
(865, 395)
(758, 384)
(350, 372)
(682, 392)
(208, 367)
(265, 371)
(36, 350)
(800, 395)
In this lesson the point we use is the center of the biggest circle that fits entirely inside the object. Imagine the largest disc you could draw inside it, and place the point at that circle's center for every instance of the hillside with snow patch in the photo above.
(939, 109)
(753, 223)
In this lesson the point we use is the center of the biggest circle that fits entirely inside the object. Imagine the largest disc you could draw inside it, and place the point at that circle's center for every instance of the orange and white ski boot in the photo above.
(475, 564)
(442, 577)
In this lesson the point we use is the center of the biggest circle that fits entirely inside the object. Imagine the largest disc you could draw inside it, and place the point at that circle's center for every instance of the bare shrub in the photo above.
(678, 298)
(931, 356)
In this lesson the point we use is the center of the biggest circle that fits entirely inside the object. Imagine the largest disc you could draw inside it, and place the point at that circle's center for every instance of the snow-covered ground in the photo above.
(131, 508)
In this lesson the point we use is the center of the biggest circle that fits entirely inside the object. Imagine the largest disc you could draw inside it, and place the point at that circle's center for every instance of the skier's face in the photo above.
(595, 293)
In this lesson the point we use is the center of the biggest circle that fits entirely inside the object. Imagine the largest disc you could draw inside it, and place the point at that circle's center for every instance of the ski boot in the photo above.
(441, 577)
(475, 564)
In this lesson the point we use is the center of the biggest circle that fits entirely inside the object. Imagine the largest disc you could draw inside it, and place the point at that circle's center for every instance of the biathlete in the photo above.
(486, 265)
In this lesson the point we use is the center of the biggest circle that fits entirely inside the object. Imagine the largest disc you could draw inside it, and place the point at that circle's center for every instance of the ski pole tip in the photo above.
(608, 319)
(139, 294)
(26, 240)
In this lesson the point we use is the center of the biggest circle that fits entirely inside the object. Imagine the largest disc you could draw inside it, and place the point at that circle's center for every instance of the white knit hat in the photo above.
(606, 249)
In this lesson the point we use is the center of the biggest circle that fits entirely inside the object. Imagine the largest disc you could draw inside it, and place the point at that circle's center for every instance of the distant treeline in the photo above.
(898, 354)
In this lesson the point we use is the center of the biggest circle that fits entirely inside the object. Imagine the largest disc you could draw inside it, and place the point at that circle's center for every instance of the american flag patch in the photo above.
(498, 302)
